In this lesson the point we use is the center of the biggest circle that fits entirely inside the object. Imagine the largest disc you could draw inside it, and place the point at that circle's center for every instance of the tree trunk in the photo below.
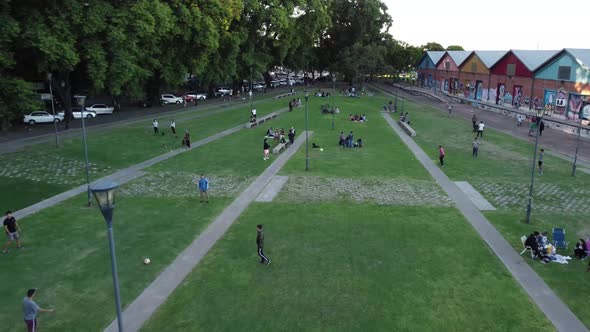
(267, 78)
(64, 89)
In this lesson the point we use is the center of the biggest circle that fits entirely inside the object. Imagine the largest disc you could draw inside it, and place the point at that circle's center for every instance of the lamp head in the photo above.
(306, 94)
(104, 192)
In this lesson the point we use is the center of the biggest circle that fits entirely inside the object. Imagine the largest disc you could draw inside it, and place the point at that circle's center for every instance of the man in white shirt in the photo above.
(480, 127)
(173, 127)
(519, 120)
(155, 124)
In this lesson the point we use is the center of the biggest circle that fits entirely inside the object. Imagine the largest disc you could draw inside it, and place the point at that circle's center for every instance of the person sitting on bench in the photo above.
(270, 132)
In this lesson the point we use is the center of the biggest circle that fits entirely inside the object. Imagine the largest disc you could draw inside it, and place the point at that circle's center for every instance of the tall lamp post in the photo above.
(333, 96)
(104, 192)
(250, 92)
(306, 131)
(53, 110)
(577, 146)
(81, 100)
(529, 206)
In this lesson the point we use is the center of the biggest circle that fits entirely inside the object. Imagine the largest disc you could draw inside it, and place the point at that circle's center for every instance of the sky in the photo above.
(492, 24)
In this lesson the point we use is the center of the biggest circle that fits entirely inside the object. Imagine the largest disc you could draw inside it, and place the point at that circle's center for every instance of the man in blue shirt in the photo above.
(30, 309)
(203, 187)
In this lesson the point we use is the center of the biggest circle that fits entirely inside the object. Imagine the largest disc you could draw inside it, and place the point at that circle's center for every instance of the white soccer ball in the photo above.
(146, 261)
(321, 149)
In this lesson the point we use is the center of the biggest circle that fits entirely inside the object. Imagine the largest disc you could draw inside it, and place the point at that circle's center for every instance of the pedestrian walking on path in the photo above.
(266, 149)
(155, 125)
(519, 120)
(541, 128)
(441, 155)
(173, 127)
(540, 162)
(203, 187)
(12, 231)
(186, 141)
(476, 144)
(480, 128)
(30, 310)
(474, 122)
(450, 109)
(260, 244)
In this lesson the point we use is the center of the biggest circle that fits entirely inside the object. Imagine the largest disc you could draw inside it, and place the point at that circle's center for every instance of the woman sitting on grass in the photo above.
(581, 250)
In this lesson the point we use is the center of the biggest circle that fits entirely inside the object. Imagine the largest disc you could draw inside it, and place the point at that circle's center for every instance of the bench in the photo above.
(283, 95)
(406, 127)
(280, 147)
(261, 120)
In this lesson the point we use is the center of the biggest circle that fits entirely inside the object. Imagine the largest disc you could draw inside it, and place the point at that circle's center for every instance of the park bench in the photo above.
(406, 127)
(280, 147)
(261, 120)
(283, 95)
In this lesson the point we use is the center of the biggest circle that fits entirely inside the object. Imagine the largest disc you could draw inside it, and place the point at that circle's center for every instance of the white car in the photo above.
(170, 99)
(101, 109)
(258, 86)
(77, 114)
(41, 117)
(223, 92)
(196, 95)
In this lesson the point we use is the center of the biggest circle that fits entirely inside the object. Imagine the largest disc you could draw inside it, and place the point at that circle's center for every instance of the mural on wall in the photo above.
(517, 93)
(478, 90)
(549, 101)
(492, 95)
(445, 85)
(507, 98)
(560, 103)
(468, 92)
(576, 104)
(585, 114)
(500, 93)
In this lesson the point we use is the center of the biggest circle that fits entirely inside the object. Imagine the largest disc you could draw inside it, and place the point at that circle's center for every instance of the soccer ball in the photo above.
(321, 149)
(146, 261)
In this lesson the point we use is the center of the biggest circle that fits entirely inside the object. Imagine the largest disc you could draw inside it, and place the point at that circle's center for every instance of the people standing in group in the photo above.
(476, 144)
(186, 139)
(12, 229)
(173, 127)
(441, 155)
(155, 124)
(474, 122)
(30, 310)
(260, 245)
(203, 188)
(541, 128)
(540, 162)
(480, 128)
(266, 149)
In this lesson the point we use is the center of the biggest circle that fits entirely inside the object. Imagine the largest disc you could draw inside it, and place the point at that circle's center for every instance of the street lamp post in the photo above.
(53, 110)
(577, 147)
(81, 100)
(250, 92)
(333, 96)
(403, 105)
(529, 206)
(104, 192)
(306, 131)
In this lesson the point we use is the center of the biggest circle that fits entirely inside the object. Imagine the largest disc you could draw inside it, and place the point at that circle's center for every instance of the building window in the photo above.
(564, 73)
(510, 69)
(447, 65)
(474, 67)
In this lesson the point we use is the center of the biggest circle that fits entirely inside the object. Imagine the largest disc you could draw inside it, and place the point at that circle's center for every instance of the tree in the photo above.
(455, 48)
(432, 46)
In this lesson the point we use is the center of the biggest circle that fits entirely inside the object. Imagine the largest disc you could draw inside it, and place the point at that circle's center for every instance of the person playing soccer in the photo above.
(203, 187)
(155, 124)
(260, 244)
(11, 228)
(30, 310)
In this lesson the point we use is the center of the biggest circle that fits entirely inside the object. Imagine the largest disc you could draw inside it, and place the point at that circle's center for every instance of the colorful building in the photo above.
(427, 68)
(448, 73)
(475, 73)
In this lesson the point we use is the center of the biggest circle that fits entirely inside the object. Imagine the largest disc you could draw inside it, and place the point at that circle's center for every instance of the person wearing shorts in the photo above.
(11, 228)
(265, 149)
(30, 310)
(203, 187)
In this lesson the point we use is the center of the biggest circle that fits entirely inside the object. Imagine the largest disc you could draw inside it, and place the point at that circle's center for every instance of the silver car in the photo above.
(41, 117)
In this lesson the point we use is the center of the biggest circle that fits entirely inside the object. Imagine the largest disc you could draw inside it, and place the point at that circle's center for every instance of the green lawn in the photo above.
(343, 267)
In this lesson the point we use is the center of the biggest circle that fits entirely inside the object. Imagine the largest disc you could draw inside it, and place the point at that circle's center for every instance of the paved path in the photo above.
(560, 144)
(555, 310)
(141, 309)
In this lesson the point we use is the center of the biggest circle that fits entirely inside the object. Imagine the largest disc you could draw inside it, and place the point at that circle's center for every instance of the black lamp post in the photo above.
(577, 145)
(81, 100)
(529, 206)
(333, 96)
(53, 110)
(306, 131)
(104, 192)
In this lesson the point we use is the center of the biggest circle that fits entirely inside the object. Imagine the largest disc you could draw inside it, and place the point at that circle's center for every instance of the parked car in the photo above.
(222, 91)
(101, 109)
(190, 96)
(258, 86)
(77, 113)
(41, 117)
(170, 99)
(275, 84)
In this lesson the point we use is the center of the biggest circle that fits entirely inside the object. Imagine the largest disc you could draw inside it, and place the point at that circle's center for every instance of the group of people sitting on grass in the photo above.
(348, 141)
(321, 93)
(405, 118)
(327, 109)
(357, 118)
(278, 135)
(546, 252)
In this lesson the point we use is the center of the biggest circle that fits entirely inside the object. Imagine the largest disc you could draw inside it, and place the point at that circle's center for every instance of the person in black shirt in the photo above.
(531, 241)
(260, 244)
(11, 228)
(291, 136)
(266, 149)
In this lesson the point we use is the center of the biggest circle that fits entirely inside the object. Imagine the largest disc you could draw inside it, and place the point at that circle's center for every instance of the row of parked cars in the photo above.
(77, 112)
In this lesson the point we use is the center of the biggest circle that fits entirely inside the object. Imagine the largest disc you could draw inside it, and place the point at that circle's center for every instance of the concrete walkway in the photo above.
(141, 309)
(555, 310)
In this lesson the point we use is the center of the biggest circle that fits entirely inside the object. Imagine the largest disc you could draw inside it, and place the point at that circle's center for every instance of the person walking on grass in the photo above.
(441, 155)
(155, 125)
(476, 144)
(203, 187)
(173, 127)
(540, 162)
(260, 245)
(11, 228)
(480, 128)
(266, 149)
(187, 139)
(30, 310)
(474, 122)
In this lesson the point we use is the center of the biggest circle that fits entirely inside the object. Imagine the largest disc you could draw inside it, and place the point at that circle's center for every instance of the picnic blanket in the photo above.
(560, 259)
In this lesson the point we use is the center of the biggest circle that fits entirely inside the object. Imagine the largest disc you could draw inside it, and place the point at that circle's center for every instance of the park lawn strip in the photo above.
(339, 267)
(506, 161)
(383, 154)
